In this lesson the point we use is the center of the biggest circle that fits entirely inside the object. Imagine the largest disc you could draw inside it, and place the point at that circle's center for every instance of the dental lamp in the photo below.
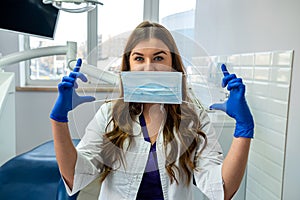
(70, 50)
(73, 6)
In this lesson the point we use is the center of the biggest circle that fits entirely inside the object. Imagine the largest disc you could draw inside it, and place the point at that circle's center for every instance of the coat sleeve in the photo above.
(208, 162)
(89, 164)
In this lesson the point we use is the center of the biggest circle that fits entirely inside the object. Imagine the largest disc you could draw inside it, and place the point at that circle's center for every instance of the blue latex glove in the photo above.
(236, 105)
(68, 99)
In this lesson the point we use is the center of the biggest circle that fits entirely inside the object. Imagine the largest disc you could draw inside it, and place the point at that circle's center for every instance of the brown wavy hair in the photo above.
(181, 119)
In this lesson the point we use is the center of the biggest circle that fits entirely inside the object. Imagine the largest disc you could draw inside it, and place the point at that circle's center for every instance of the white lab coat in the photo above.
(124, 182)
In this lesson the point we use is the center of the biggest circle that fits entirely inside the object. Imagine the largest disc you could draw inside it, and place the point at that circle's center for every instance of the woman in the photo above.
(152, 150)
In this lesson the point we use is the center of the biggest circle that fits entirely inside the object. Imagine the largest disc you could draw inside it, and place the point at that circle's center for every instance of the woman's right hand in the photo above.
(68, 99)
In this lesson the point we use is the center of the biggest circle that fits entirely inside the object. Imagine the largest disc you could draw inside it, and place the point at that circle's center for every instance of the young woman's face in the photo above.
(150, 55)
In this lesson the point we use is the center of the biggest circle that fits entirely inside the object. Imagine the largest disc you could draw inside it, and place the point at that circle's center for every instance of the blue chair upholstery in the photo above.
(33, 175)
(62, 193)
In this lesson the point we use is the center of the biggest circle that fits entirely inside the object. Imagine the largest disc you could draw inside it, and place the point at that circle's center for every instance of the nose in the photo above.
(149, 66)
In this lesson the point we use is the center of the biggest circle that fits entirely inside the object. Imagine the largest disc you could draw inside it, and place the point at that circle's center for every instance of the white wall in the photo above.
(33, 123)
(32, 119)
(228, 27)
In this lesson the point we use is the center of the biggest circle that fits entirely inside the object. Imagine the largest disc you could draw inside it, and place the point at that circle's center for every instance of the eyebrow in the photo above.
(137, 53)
(159, 53)
(140, 54)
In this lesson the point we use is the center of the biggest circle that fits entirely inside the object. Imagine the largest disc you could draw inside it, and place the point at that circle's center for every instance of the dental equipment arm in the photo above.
(70, 50)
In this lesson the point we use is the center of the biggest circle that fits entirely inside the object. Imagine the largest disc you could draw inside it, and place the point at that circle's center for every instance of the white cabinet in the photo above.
(7, 117)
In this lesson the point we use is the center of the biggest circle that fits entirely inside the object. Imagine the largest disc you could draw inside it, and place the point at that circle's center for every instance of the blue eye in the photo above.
(158, 58)
(138, 58)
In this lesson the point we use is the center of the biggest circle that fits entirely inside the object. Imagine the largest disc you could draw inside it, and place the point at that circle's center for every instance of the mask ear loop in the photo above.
(106, 100)
(196, 103)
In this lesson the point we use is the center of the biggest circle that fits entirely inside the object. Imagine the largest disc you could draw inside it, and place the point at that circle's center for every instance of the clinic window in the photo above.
(115, 20)
(113, 25)
(49, 70)
(180, 20)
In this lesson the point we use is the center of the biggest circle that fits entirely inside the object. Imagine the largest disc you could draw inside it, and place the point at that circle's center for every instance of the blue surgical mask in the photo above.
(152, 87)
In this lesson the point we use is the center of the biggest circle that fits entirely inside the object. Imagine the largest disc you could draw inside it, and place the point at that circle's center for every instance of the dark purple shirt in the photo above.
(150, 188)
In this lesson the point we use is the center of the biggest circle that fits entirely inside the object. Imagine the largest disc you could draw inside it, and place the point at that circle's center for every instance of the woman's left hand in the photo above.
(236, 105)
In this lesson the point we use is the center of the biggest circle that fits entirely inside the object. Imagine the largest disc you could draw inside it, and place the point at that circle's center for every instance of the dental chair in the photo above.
(33, 175)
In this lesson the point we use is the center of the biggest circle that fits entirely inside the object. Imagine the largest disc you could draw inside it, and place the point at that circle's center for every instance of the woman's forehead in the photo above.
(152, 43)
